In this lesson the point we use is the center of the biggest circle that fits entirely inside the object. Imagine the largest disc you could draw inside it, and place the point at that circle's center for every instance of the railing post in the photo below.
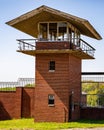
(25, 45)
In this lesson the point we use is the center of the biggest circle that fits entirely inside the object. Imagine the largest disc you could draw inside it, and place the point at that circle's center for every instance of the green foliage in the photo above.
(92, 100)
(8, 89)
(87, 87)
(29, 124)
(29, 85)
(95, 93)
(101, 94)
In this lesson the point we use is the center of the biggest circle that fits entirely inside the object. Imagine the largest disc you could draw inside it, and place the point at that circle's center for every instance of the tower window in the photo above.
(52, 66)
(43, 31)
(51, 100)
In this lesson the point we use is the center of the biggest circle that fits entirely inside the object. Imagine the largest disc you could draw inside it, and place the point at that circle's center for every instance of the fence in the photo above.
(92, 100)
(92, 77)
(21, 82)
(93, 89)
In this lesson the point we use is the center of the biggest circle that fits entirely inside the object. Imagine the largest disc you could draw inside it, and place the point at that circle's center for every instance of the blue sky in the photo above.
(14, 65)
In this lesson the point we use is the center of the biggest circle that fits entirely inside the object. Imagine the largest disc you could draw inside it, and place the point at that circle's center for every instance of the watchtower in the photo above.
(59, 50)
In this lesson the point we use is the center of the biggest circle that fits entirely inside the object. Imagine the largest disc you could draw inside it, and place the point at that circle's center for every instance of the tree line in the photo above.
(94, 93)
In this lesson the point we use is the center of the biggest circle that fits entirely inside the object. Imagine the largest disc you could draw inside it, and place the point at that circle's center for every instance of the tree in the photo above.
(95, 93)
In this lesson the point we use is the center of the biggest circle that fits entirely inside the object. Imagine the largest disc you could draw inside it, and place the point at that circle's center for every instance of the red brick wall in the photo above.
(10, 104)
(17, 104)
(75, 85)
(52, 45)
(27, 105)
(60, 83)
(92, 113)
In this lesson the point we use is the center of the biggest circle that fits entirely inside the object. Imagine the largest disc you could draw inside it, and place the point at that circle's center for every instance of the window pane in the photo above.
(52, 31)
(43, 30)
(62, 31)
(50, 99)
(52, 65)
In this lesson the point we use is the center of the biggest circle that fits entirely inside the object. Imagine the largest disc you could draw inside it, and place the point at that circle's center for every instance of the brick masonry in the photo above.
(64, 83)
(10, 104)
(61, 83)
(27, 102)
(92, 113)
(20, 104)
(16, 104)
(52, 45)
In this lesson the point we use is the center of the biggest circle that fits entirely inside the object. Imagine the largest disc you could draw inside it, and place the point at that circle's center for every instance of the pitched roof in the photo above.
(28, 22)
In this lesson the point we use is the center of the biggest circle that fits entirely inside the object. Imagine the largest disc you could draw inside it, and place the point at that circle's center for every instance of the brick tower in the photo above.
(59, 50)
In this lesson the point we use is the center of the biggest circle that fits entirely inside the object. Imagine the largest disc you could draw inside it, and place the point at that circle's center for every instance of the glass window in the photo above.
(43, 31)
(62, 29)
(70, 35)
(53, 31)
(52, 66)
(51, 99)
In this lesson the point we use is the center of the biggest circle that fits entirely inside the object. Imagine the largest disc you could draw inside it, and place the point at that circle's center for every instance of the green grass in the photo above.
(26, 124)
(8, 89)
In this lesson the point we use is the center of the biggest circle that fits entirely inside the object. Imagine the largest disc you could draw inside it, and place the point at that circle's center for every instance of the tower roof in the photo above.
(28, 22)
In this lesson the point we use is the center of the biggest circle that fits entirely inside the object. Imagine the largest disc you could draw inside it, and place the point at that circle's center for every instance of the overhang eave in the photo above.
(27, 23)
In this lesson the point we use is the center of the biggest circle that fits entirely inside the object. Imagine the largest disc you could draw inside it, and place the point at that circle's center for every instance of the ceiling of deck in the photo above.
(28, 22)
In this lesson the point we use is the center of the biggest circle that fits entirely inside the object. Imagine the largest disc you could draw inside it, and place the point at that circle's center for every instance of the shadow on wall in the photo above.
(26, 105)
(4, 115)
(17, 104)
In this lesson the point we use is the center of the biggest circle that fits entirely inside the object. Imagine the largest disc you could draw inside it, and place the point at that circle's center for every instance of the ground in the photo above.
(63, 129)
(85, 129)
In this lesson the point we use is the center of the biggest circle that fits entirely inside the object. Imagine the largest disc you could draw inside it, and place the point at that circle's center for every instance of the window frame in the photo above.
(51, 100)
(56, 36)
(52, 66)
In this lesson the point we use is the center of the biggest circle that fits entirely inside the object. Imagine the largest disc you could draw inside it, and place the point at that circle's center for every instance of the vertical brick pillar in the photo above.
(18, 101)
(75, 86)
(27, 105)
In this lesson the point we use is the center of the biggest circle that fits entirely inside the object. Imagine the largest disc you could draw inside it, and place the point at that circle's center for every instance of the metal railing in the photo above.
(26, 82)
(87, 48)
(26, 44)
(21, 82)
(29, 44)
(83, 46)
(86, 79)
(92, 87)
(92, 77)
(8, 86)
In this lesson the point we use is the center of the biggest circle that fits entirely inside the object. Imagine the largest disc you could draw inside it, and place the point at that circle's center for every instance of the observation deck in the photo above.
(76, 47)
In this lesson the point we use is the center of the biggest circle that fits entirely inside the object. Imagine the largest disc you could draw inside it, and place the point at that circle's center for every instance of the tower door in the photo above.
(70, 107)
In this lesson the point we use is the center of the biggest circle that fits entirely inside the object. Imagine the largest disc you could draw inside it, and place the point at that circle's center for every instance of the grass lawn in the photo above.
(29, 124)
